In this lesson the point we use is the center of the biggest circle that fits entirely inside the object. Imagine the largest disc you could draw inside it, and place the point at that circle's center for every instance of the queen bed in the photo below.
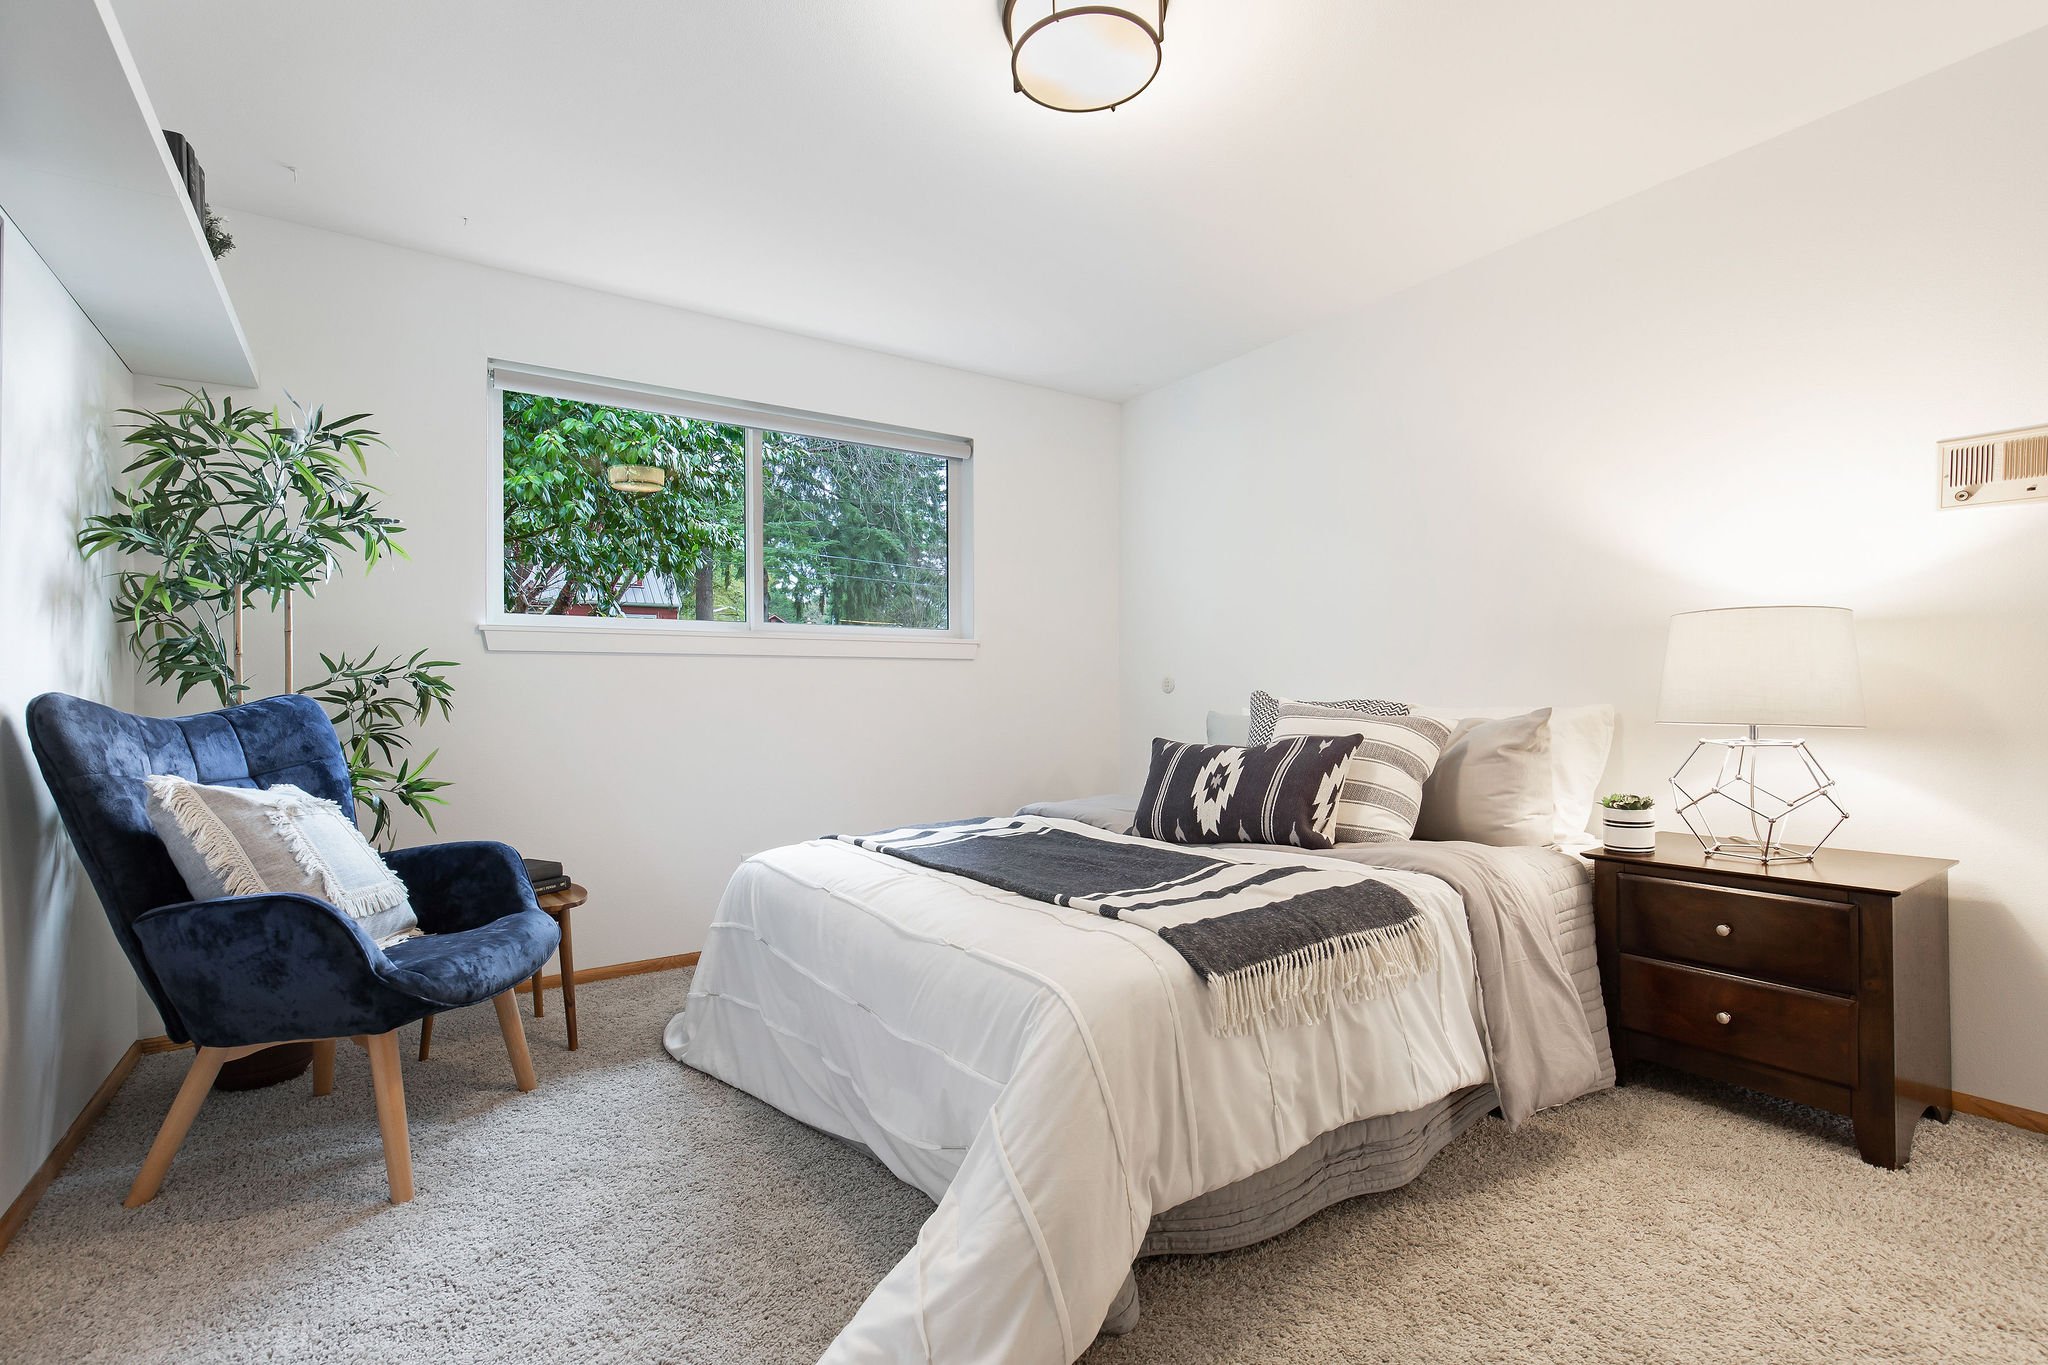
(1049, 1076)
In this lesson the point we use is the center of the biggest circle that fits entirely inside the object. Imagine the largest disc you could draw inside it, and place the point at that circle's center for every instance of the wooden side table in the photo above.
(558, 904)
(1823, 982)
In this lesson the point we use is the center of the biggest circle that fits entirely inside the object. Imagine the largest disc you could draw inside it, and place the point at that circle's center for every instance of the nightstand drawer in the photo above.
(1794, 1030)
(1788, 939)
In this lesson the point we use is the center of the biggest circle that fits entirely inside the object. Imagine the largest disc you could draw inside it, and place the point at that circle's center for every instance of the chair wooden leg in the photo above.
(426, 1036)
(515, 1037)
(206, 1065)
(539, 1007)
(323, 1067)
(568, 980)
(390, 1090)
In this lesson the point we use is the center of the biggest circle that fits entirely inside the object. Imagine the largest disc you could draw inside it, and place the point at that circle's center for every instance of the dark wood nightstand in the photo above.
(1823, 982)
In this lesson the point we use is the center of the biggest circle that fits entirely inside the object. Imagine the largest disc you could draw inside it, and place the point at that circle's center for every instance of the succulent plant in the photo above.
(1627, 801)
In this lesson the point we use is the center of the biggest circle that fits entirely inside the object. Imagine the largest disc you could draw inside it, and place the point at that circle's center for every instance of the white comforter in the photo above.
(1048, 1076)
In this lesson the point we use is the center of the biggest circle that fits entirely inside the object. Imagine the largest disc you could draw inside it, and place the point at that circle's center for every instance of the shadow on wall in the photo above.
(42, 896)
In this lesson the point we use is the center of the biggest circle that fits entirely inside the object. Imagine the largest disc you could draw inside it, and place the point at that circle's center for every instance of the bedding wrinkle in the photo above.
(1052, 988)
(824, 1060)
(1030, 1217)
(881, 1021)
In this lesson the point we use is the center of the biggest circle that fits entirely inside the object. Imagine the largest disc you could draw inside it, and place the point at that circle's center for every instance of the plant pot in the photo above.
(1629, 831)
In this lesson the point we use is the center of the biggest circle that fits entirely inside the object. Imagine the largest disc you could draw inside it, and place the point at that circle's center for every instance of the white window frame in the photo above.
(503, 630)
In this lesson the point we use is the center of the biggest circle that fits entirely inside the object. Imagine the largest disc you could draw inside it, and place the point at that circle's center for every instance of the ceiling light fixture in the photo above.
(636, 478)
(1080, 58)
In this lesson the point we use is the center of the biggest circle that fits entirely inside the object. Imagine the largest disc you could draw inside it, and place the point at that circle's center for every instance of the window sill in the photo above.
(601, 637)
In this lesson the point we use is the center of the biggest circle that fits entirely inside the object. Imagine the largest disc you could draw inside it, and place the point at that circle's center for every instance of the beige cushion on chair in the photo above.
(246, 841)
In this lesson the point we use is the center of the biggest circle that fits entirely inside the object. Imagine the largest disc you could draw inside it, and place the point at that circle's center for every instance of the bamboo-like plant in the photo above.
(230, 503)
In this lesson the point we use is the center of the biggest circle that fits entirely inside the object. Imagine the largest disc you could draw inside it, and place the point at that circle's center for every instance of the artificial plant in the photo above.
(226, 504)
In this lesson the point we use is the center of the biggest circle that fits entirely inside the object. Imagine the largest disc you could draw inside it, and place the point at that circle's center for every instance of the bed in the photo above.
(1046, 1076)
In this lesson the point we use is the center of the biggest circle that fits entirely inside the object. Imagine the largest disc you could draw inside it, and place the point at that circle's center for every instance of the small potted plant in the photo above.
(1628, 823)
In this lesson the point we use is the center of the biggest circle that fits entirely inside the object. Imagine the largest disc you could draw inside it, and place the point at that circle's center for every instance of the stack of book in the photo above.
(546, 876)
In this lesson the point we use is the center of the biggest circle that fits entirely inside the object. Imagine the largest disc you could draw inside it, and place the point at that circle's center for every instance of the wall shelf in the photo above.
(86, 177)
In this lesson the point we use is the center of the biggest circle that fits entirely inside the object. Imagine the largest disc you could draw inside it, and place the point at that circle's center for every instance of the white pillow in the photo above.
(1230, 728)
(246, 841)
(1382, 793)
(1580, 738)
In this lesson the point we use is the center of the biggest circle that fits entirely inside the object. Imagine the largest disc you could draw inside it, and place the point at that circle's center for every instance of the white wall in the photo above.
(67, 995)
(652, 777)
(1497, 486)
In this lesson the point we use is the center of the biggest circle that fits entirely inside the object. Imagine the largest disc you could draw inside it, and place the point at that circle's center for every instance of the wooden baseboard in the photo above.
(617, 969)
(25, 1203)
(2030, 1119)
(584, 975)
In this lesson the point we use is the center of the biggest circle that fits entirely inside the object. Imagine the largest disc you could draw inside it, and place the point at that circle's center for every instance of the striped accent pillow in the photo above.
(1280, 793)
(1382, 793)
(1265, 710)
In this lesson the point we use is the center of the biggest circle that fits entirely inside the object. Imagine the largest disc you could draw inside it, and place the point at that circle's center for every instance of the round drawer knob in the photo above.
(1724, 1017)
(1723, 930)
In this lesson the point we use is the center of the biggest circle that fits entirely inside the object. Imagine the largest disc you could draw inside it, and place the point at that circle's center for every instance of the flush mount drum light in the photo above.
(1081, 57)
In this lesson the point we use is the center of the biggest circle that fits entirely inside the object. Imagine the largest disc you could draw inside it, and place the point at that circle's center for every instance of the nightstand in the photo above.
(1823, 982)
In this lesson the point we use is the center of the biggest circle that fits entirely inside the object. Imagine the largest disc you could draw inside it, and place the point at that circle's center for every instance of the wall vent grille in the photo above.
(2000, 466)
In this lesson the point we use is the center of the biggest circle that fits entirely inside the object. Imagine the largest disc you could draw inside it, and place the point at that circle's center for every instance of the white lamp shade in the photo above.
(1762, 666)
(1084, 55)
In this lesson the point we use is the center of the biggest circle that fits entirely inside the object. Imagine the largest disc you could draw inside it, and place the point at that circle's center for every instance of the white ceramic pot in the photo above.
(1629, 831)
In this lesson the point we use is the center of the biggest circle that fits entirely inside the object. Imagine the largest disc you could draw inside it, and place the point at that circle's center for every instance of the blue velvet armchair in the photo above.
(243, 973)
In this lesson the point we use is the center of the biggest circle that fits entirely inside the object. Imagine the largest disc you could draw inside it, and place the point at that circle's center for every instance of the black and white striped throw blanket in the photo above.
(1277, 942)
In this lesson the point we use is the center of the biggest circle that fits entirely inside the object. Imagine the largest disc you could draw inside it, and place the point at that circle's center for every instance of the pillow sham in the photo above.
(1580, 738)
(246, 841)
(1229, 727)
(1265, 710)
(1382, 792)
(1280, 793)
(1492, 784)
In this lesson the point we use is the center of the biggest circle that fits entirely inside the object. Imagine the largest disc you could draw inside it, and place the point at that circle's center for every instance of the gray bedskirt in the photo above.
(1366, 1157)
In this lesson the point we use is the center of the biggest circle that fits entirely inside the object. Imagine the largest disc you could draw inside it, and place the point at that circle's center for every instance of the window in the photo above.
(624, 508)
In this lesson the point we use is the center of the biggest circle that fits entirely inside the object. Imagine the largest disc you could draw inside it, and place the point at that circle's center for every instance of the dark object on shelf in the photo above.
(189, 170)
(549, 885)
(219, 241)
(1825, 983)
(541, 869)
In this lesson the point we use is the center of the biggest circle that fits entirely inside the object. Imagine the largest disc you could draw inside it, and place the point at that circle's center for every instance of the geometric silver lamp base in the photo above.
(1728, 793)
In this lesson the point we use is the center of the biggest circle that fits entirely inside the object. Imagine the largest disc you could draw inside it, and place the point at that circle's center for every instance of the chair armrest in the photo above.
(263, 969)
(464, 885)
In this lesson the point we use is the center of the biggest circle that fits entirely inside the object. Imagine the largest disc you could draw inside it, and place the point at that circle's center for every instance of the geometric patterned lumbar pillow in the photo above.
(1265, 710)
(1284, 793)
(249, 841)
(1382, 793)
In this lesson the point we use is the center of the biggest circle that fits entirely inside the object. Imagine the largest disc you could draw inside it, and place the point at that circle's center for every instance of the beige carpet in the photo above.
(632, 1210)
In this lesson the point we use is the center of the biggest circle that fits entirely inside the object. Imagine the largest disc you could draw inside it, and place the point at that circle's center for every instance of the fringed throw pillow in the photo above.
(1283, 793)
(1382, 792)
(247, 841)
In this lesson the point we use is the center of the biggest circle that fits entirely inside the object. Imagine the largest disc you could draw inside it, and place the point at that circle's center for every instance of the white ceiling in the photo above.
(860, 170)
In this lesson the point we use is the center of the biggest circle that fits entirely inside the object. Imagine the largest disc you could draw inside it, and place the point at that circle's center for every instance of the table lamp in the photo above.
(1756, 667)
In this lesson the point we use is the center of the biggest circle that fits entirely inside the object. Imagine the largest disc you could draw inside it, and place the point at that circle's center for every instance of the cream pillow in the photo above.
(246, 841)
(1580, 737)
(1382, 792)
(1493, 784)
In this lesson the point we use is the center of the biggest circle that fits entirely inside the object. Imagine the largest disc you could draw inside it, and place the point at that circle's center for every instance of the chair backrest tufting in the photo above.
(94, 759)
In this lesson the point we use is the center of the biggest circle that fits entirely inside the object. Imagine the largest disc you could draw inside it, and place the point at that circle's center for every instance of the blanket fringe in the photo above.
(1303, 986)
